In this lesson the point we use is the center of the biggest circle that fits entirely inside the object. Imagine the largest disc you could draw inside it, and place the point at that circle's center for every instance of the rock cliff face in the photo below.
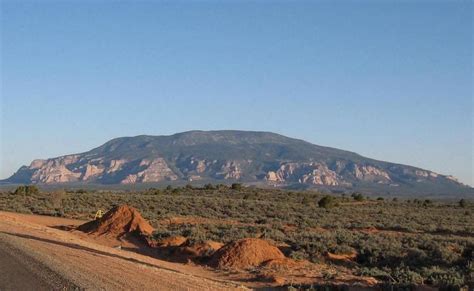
(152, 171)
(54, 170)
(254, 157)
(322, 174)
(74, 169)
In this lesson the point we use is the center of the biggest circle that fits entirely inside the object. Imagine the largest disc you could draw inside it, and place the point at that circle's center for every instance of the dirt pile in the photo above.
(245, 253)
(117, 222)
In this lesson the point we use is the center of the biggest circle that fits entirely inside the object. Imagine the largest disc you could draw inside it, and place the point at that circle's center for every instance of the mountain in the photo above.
(225, 156)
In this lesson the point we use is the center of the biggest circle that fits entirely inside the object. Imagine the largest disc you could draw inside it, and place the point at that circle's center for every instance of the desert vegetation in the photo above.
(397, 241)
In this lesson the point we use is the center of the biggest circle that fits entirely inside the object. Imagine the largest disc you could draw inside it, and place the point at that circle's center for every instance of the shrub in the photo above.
(26, 190)
(441, 277)
(403, 275)
(358, 196)
(56, 198)
(374, 272)
(327, 202)
(435, 244)
(462, 203)
(175, 191)
(236, 186)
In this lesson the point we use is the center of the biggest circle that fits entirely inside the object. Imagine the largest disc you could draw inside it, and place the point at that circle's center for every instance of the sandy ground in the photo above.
(35, 254)
(21, 272)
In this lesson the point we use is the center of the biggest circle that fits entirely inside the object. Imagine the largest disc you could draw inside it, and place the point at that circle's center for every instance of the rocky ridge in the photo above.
(226, 156)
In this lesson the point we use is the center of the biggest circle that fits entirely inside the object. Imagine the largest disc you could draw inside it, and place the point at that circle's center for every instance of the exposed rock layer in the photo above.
(228, 155)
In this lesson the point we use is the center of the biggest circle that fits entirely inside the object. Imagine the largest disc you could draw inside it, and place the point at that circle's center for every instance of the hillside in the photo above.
(228, 156)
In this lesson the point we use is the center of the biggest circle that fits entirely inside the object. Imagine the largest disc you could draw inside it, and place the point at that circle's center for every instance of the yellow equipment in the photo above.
(98, 214)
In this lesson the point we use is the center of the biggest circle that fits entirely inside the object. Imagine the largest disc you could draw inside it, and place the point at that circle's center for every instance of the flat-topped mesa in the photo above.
(228, 156)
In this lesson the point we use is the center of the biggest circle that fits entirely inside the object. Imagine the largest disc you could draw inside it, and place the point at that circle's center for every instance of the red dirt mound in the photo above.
(245, 253)
(117, 222)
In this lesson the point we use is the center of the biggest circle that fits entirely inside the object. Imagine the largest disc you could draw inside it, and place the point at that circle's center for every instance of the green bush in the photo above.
(236, 186)
(410, 243)
(26, 190)
(357, 196)
(327, 202)
(443, 277)
(403, 275)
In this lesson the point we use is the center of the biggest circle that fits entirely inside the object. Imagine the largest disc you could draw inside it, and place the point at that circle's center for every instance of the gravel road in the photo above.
(34, 256)
(19, 271)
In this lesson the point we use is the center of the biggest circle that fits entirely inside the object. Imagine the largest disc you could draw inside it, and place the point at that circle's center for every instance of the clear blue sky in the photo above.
(391, 80)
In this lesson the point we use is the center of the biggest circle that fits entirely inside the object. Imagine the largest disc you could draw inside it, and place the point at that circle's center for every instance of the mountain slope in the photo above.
(252, 157)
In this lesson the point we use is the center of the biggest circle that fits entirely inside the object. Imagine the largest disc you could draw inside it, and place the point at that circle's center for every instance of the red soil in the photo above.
(369, 230)
(285, 263)
(342, 257)
(245, 253)
(172, 241)
(201, 249)
(117, 222)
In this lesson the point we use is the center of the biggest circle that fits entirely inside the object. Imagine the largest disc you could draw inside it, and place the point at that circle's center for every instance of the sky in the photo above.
(391, 80)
